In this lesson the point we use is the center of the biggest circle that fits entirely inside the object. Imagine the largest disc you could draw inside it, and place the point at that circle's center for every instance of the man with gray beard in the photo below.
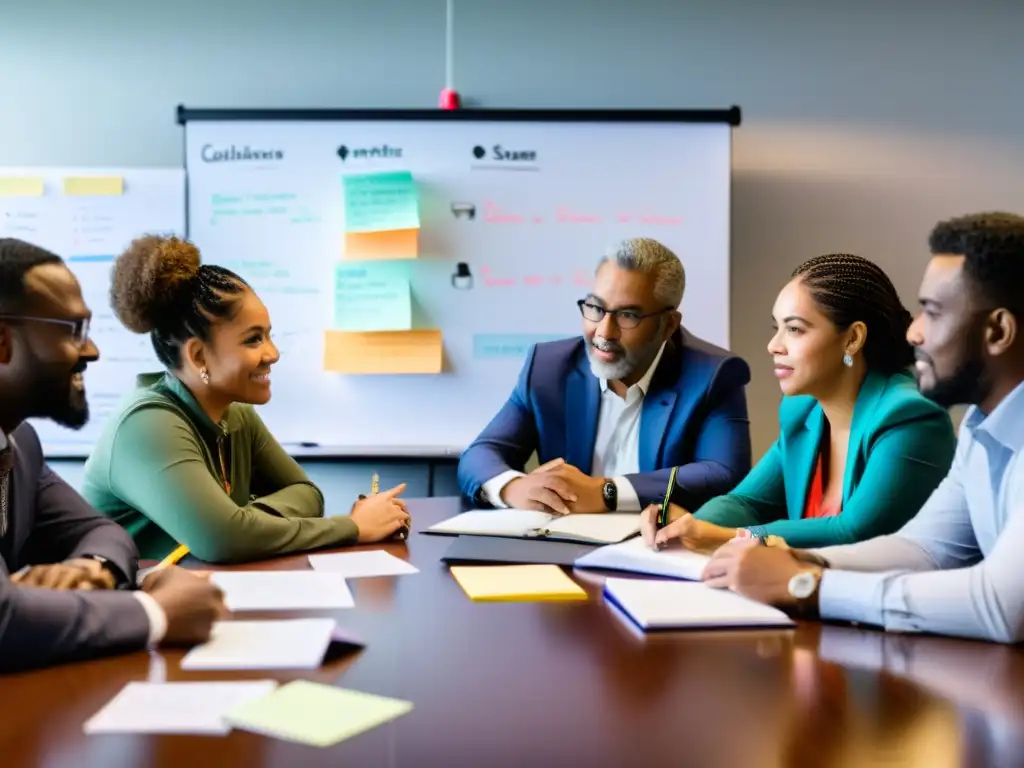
(610, 414)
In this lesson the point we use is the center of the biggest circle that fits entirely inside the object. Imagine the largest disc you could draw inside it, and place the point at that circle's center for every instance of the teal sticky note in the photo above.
(380, 201)
(373, 296)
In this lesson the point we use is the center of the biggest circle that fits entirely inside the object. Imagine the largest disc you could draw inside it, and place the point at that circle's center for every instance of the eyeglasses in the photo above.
(79, 328)
(625, 318)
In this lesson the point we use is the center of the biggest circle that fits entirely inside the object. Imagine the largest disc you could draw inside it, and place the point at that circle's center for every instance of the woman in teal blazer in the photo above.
(860, 449)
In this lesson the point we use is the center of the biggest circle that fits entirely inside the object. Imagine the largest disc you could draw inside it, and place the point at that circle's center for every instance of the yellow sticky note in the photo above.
(386, 244)
(81, 186)
(14, 186)
(315, 714)
(362, 352)
(511, 583)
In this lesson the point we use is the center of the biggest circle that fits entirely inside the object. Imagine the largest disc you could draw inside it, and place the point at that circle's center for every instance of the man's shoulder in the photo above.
(569, 348)
(700, 357)
(25, 442)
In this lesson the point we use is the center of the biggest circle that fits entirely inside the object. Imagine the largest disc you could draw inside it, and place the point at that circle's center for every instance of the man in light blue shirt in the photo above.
(955, 568)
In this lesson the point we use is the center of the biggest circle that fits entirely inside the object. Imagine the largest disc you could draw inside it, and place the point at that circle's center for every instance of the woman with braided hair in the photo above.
(187, 462)
(859, 449)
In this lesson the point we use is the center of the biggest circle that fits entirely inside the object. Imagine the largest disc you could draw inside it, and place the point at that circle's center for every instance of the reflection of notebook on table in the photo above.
(607, 528)
(635, 556)
(493, 549)
(654, 605)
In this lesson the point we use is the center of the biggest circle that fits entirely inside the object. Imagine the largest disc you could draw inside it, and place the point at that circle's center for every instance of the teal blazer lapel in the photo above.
(801, 455)
(863, 420)
(582, 401)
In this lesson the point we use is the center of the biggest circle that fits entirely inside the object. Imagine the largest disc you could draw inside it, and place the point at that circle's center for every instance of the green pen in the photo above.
(663, 512)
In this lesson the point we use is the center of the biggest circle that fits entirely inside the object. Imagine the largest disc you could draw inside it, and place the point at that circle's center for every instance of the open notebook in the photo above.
(655, 605)
(635, 556)
(606, 528)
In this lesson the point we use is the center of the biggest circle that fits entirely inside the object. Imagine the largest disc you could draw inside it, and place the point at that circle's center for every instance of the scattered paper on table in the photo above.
(380, 201)
(282, 590)
(373, 296)
(13, 186)
(368, 352)
(285, 644)
(315, 714)
(386, 244)
(181, 707)
(81, 186)
(355, 565)
(513, 583)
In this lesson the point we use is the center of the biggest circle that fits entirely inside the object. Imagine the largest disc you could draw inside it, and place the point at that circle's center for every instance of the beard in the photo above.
(629, 361)
(969, 384)
(55, 397)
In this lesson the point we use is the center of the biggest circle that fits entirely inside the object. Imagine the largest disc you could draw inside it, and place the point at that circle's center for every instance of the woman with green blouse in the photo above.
(186, 460)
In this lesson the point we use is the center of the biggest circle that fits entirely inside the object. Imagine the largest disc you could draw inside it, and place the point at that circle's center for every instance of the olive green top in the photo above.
(156, 470)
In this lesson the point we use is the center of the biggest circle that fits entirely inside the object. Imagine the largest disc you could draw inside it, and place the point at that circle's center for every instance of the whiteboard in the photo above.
(526, 201)
(88, 230)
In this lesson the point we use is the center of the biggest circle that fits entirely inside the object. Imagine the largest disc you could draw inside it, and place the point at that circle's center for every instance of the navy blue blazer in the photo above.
(694, 416)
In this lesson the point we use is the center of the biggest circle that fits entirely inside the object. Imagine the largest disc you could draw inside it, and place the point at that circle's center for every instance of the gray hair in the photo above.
(645, 255)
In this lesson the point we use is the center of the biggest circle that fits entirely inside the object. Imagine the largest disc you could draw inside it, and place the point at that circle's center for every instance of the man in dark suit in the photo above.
(67, 574)
(610, 414)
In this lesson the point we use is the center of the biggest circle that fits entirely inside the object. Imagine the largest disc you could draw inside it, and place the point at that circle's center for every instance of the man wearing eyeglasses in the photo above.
(66, 572)
(610, 414)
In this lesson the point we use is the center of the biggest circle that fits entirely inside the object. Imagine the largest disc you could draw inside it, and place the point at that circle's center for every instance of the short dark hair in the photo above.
(849, 288)
(992, 245)
(159, 287)
(18, 258)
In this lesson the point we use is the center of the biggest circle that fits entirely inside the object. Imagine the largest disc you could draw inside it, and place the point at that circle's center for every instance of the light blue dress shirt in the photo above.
(957, 567)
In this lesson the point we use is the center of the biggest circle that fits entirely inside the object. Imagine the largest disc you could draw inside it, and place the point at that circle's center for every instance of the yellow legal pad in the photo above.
(516, 583)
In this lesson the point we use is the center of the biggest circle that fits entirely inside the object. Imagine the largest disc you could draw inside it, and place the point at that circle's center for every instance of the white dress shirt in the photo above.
(954, 568)
(616, 443)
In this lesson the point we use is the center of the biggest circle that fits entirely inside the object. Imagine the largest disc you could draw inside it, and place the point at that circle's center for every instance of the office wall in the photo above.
(863, 123)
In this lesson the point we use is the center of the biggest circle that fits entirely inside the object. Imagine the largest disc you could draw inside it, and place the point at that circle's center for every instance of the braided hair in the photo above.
(159, 287)
(849, 288)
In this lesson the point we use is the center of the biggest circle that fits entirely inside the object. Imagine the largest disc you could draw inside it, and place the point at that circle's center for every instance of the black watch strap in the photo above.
(610, 493)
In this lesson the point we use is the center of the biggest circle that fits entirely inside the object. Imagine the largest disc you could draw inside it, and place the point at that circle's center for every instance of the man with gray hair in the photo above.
(610, 414)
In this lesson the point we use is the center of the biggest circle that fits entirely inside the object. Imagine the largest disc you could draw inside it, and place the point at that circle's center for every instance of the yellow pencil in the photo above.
(375, 484)
(174, 557)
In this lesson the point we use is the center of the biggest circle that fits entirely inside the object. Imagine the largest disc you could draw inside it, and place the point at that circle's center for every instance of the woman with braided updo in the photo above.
(187, 461)
(860, 449)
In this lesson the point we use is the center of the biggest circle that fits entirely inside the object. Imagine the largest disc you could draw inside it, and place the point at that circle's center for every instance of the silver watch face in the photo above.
(802, 585)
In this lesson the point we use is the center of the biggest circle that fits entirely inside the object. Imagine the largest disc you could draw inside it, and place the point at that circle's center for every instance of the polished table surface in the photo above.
(566, 684)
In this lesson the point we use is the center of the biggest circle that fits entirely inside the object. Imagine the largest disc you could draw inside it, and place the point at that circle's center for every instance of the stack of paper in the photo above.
(635, 556)
(289, 644)
(282, 590)
(521, 523)
(656, 605)
(175, 707)
(357, 565)
(510, 583)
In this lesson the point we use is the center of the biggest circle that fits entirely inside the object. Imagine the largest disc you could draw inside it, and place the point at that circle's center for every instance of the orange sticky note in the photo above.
(362, 352)
(386, 244)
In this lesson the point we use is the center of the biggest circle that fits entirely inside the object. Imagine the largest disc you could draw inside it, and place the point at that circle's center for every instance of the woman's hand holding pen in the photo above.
(381, 515)
(684, 528)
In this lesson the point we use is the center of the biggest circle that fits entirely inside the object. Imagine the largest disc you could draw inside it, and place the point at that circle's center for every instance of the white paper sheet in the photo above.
(356, 565)
(181, 707)
(283, 590)
(286, 644)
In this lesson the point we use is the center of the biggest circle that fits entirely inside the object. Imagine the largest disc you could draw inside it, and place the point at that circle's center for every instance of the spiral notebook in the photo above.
(607, 528)
(636, 557)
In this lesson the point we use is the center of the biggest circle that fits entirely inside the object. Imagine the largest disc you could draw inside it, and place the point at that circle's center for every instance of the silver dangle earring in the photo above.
(205, 375)
(847, 360)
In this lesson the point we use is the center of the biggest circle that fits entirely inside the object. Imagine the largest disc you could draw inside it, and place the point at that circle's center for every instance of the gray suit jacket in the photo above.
(49, 522)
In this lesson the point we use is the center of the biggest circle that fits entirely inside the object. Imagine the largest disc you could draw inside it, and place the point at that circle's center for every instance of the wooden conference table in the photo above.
(534, 684)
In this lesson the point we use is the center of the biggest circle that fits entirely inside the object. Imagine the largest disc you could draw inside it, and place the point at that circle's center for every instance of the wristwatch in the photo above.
(610, 494)
(803, 584)
(120, 581)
